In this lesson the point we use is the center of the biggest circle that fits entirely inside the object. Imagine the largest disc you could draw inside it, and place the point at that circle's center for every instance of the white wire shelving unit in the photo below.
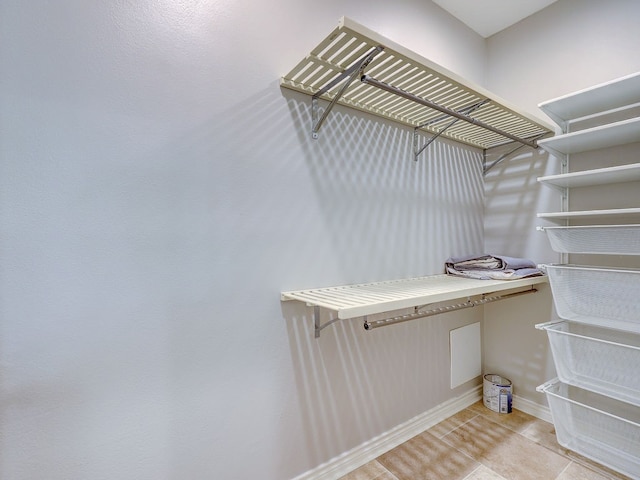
(359, 68)
(593, 103)
(599, 176)
(632, 214)
(603, 136)
(595, 412)
(605, 97)
(356, 67)
(362, 300)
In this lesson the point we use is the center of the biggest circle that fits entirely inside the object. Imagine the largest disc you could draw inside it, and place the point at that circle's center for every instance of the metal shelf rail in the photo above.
(404, 87)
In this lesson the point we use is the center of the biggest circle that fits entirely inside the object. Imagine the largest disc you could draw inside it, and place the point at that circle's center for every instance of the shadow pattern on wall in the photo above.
(513, 197)
(384, 213)
(383, 216)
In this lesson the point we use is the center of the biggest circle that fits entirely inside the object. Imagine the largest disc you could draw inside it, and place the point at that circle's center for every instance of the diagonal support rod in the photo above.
(350, 74)
(319, 326)
(465, 110)
(500, 159)
(505, 155)
(427, 103)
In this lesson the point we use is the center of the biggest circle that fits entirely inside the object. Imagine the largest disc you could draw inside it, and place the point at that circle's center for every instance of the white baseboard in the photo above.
(353, 459)
(527, 406)
(349, 461)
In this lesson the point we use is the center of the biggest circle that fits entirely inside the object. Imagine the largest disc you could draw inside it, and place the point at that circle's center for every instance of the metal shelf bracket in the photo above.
(318, 326)
(417, 149)
(350, 74)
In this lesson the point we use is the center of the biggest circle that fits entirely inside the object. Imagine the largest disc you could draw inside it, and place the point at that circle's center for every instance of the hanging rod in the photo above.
(486, 298)
(366, 79)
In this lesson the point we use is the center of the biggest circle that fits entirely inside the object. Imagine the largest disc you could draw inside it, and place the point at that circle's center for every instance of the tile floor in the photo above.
(478, 444)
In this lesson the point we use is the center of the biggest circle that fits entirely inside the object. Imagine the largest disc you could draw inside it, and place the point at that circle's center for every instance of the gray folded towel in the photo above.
(491, 267)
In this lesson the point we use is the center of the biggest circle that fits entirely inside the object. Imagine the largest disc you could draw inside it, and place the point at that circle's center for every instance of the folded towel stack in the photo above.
(492, 267)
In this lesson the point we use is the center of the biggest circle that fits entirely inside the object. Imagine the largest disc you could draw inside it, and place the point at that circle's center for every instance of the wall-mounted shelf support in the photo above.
(318, 326)
(504, 156)
(406, 88)
(350, 75)
(417, 149)
(486, 169)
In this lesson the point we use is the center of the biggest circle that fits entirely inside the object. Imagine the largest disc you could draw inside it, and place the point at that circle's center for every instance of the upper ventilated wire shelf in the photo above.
(408, 72)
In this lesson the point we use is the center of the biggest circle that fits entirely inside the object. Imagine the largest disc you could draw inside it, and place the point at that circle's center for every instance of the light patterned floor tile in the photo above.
(504, 451)
(578, 472)
(594, 466)
(426, 457)
(517, 420)
(451, 423)
(543, 433)
(478, 444)
(484, 473)
(370, 471)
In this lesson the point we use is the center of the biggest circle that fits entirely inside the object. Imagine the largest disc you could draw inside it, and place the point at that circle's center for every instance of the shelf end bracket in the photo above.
(316, 321)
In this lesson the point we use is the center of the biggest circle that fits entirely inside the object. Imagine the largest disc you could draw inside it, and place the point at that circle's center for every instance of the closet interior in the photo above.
(595, 401)
(356, 67)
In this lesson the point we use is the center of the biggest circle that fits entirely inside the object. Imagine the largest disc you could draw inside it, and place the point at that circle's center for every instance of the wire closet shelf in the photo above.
(359, 68)
(419, 293)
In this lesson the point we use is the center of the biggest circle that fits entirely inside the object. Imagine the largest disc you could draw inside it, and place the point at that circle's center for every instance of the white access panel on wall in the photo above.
(466, 354)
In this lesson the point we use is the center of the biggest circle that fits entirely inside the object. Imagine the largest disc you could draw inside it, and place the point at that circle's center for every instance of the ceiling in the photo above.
(487, 17)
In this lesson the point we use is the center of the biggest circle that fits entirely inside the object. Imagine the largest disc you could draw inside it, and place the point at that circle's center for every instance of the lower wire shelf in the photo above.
(360, 300)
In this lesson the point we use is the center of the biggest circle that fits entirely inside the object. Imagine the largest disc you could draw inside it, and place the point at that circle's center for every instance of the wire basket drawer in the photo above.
(599, 359)
(595, 239)
(598, 427)
(596, 295)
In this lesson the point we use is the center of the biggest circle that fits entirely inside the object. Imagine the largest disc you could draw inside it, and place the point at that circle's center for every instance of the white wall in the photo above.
(568, 46)
(159, 190)
(571, 45)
